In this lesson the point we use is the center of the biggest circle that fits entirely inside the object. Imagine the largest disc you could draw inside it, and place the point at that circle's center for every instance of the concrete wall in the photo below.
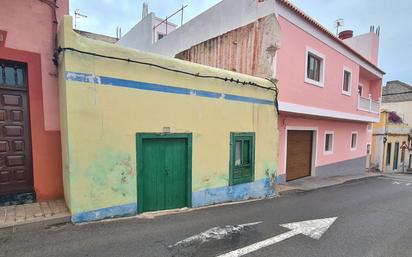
(30, 39)
(367, 45)
(403, 109)
(250, 49)
(217, 20)
(106, 102)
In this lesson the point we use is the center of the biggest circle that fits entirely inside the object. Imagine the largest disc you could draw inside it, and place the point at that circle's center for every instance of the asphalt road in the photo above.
(374, 218)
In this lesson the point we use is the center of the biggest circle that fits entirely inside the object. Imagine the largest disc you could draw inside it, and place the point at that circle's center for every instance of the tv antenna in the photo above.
(78, 15)
(338, 23)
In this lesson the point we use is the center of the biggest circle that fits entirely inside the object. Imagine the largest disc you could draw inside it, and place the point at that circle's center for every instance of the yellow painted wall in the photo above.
(100, 122)
(383, 129)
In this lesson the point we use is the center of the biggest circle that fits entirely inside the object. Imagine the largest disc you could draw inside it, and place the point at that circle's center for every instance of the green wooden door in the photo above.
(163, 173)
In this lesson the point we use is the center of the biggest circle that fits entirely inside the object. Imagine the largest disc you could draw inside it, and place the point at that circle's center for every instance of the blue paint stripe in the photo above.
(248, 99)
(89, 78)
(104, 213)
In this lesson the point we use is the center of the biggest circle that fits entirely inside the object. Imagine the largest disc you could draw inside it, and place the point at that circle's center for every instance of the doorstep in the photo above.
(33, 215)
(312, 183)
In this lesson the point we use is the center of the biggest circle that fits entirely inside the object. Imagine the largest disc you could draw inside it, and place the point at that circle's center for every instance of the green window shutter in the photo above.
(242, 158)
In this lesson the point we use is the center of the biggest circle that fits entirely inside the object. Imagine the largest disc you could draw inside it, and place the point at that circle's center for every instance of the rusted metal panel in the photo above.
(249, 49)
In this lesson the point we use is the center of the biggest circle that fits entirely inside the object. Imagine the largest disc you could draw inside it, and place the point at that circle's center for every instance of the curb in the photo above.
(299, 190)
(34, 225)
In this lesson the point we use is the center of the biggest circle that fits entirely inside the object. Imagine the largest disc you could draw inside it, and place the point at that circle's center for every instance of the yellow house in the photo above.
(142, 132)
(390, 143)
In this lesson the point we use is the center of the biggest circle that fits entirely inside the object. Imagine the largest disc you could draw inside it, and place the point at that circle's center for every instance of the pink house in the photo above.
(330, 87)
(30, 151)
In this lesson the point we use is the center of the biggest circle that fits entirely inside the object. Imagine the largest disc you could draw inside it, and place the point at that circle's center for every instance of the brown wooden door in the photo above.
(16, 174)
(299, 154)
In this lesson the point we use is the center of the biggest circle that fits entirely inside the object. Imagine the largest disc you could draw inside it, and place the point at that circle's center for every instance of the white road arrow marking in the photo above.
(396, 183)
(311, 228)
(215, 233)
(407, 184)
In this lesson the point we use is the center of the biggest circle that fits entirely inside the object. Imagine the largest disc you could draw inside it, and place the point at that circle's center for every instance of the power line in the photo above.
(198, 75)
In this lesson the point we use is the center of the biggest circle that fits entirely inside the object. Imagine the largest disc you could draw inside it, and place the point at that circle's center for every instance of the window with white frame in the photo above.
(347, 81)
(315, 67)
(354, 141)
(369, 127)
(328, 142)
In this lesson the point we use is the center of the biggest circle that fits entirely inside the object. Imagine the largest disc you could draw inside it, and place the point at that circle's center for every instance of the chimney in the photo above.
(345, 34)
(145, 10)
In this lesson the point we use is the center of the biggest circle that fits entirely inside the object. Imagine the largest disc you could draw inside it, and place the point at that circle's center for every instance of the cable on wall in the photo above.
(198, 75)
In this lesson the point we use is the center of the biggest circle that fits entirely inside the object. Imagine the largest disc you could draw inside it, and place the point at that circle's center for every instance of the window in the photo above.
(369, 127)
(360, 90)
(354, 141)
(368, 148)
(347, 81)
(12, 75)
(314, 68)
(328, 142)
(242, 158)
(388, 153)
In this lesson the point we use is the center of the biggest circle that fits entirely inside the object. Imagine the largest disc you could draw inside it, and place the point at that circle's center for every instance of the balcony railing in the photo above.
(368, 105)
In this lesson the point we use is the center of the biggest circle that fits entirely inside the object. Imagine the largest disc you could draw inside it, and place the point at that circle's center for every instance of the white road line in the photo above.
(395, 179)
(310, 228)
(396, 183)
(407, 184)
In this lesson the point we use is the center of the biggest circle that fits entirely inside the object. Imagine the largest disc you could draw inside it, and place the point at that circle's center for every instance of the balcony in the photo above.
(368, 105)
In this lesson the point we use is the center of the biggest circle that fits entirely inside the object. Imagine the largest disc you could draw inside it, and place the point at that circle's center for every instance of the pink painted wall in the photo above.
(291, 70)
(30, 36)
(29, 26)
(342, 138)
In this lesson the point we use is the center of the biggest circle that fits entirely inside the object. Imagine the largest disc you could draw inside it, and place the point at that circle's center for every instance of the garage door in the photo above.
(164, 173)
(299, 154)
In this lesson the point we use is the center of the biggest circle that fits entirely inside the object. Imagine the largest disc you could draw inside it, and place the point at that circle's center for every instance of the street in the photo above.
(373, 218)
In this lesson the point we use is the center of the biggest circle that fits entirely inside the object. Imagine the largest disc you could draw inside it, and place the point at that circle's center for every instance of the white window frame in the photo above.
(325, 152)
(320, 83)
(356, 142)
(369, 127)
(348, 93)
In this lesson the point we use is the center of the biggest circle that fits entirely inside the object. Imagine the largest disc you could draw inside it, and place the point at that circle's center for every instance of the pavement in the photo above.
(312, 183)
(33, 215)
(367, 217)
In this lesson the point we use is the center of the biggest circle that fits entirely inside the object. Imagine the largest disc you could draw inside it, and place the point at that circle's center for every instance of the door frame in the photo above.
(314, 146)
(139, 144)
(24, 64)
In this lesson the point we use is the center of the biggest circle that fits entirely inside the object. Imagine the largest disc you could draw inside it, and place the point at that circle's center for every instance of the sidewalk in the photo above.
(33, 215)
(311, 183)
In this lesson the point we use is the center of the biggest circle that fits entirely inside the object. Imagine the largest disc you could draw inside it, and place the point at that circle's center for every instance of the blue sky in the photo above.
(392, 16)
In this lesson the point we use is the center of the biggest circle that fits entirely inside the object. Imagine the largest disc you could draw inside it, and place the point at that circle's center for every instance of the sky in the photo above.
(393, 17)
